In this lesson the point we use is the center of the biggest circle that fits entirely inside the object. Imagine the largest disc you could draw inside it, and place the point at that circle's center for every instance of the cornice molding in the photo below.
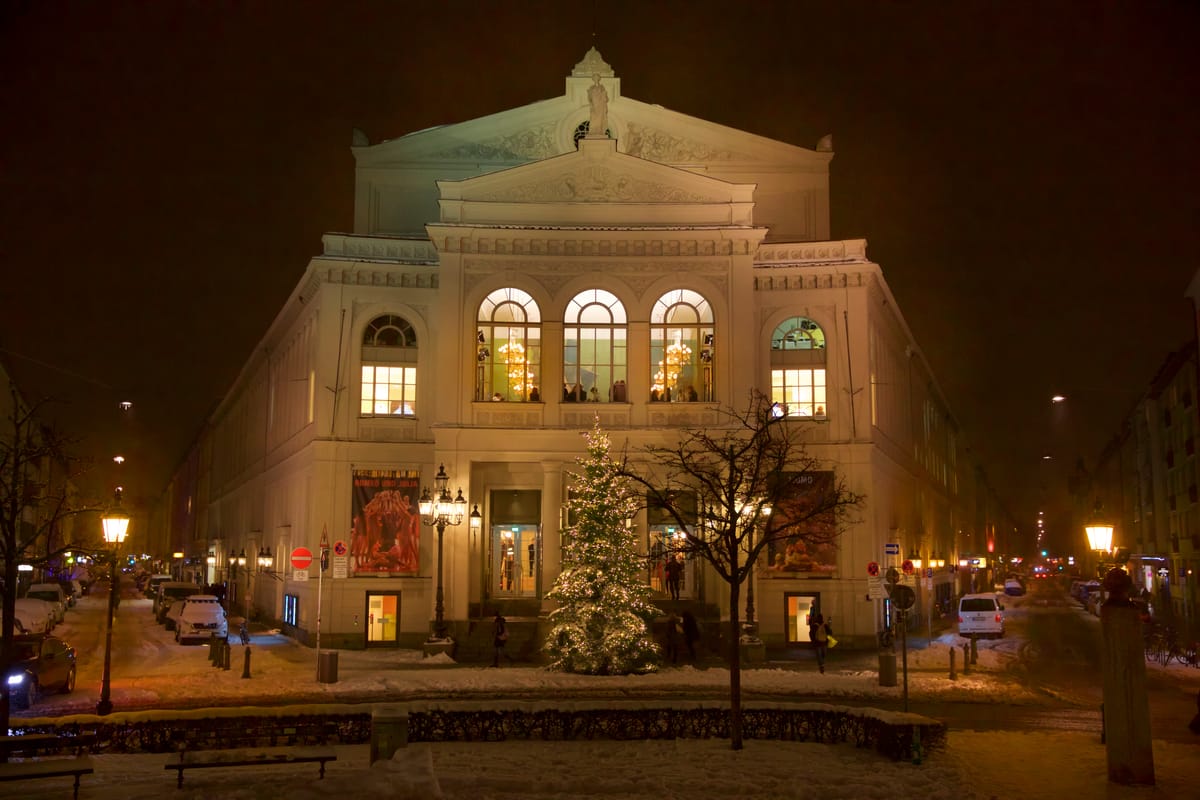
(590, 243)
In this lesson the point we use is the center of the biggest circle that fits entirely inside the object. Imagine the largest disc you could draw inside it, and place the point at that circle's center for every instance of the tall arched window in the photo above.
(594, 347)
(681, 347)
(798, 368)
(508, 347)
(389, 368)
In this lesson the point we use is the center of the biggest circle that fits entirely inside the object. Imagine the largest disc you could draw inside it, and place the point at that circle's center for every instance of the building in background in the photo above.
(509, 280)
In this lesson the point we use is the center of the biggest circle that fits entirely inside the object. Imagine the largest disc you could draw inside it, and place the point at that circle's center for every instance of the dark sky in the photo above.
(1023, 172)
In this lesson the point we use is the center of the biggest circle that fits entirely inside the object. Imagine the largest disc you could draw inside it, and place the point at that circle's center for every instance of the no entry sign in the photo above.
(301, 558)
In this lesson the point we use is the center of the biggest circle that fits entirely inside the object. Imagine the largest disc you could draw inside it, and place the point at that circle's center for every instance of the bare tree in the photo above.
(37, 505)
(737, 490)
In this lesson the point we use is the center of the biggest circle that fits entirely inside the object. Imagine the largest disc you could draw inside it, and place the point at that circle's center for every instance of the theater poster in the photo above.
(385, 531)
(815, 552)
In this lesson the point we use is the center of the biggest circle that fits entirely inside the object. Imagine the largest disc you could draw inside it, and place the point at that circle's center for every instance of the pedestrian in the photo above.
(499, 639)
(818, 634)
(674, 632)
(674, 571)
(691, 633)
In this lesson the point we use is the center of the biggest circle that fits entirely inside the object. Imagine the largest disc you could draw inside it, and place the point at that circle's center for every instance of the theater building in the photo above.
(512, 278)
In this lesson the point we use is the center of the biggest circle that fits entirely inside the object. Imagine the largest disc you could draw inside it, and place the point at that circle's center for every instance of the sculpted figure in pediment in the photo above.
(598, 102)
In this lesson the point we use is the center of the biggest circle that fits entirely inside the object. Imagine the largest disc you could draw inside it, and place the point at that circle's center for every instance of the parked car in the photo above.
(151, 586)
(1013, 587)
(168, 593)
(36, 616)
(53, 594)
(202, 617)
(72, 589)
(171, 618)
(980, 616)
(42, 663)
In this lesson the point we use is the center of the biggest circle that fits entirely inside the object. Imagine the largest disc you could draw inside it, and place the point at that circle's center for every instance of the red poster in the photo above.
(385, 532)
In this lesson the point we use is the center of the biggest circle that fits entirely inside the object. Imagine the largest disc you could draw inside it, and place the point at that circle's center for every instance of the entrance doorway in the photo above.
(516, 560)
(383, 617)
(665, 544)
(798, 611)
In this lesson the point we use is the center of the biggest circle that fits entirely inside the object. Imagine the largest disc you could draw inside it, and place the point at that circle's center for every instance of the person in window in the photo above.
(691, 394)
(496, 398)
(578, 395)
(593, 395)
(534, 395)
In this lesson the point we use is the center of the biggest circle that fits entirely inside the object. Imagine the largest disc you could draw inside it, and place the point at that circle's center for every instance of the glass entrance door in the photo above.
(800, 609)
(383, 617)
(665, 542)
(516, 559)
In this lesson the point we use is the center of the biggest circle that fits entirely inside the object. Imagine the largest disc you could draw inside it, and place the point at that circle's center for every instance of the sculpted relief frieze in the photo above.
(597, 183)
(666, 148)
(528, 145)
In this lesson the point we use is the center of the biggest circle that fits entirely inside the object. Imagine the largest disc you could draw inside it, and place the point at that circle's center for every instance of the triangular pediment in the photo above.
(618, 189)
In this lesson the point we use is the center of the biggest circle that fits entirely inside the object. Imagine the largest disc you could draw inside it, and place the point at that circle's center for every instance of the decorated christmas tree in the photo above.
(600, 626)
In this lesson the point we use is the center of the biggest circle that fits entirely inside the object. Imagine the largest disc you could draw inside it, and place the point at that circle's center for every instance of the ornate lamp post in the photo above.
(116, 526)
(239, 560)
(441, 510)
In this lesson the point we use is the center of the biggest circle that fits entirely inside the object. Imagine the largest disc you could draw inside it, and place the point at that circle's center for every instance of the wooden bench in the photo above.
(48, 768)
(249, 757)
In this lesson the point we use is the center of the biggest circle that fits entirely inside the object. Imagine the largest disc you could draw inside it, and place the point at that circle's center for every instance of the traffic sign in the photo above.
(873, 569)
(339, 548)
(892, 548)
(903, 597)
(907, 566)
(301, 558)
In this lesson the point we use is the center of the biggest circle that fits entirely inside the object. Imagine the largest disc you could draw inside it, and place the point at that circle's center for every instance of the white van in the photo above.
(202, 618)
(980, 616)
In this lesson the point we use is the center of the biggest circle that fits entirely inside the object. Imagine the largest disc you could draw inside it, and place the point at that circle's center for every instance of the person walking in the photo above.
(691, 633)
(674, 631)
(674, 570)
(818, 634)
(499, 639)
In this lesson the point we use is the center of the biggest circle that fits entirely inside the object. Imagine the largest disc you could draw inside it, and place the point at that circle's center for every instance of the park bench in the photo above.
(34, 768)
(249, 757)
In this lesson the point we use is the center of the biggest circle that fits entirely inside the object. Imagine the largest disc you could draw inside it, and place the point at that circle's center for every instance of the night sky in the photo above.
(1023, 172)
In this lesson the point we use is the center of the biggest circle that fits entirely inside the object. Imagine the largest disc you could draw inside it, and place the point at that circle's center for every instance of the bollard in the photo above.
(246, 665)
(953, 653)
(212, 652)
(916, 745)
(966, 659)
(974, 651)
(225, 654)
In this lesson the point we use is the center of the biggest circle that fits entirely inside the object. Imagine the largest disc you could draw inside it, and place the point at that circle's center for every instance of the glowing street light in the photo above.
(440, 511)
(116, 526)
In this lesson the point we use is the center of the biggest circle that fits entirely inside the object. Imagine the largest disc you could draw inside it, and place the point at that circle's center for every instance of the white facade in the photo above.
(527, 212)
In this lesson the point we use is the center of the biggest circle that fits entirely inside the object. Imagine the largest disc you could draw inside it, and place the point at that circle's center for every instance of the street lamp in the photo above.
(1099, 535)
(441, 511)
(116, 526)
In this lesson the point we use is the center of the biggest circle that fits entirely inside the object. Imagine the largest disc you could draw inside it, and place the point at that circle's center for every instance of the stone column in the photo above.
(552, 515)
(1126, 707)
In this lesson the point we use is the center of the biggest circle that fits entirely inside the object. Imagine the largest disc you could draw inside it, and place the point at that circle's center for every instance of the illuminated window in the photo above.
(508, 347)
(798, 368)
(682, 349)
(594, 348)
(389, 368)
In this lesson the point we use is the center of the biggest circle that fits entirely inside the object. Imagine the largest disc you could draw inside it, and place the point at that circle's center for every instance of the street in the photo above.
(1041, 676)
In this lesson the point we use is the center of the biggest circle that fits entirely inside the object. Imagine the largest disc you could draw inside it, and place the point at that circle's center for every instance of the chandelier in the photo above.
(677, 356)
(519, 377)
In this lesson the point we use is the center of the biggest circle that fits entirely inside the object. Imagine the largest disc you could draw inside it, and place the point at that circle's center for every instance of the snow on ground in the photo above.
(974, 765)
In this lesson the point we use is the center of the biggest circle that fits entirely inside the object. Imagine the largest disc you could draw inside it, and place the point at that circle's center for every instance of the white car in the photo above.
(35, 616)
(980, 616)
(202, 617)
(52, 593)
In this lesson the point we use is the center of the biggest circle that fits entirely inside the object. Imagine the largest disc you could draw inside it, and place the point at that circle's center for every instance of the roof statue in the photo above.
(591, 65)
(598, 115)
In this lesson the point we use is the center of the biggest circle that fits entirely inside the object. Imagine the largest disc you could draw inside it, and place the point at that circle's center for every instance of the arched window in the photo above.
(594, 348)
(681, 347)
(508, 347)
(798, 368)
(389, 368)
